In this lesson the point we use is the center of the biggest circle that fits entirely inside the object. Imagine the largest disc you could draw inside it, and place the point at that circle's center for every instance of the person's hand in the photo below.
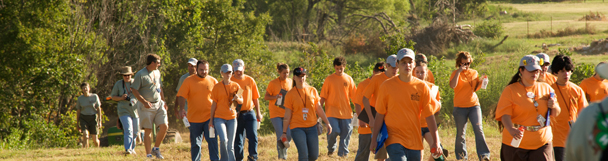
(362, 124)
(283, 136)
(210, 123)
(147, 104)
(372, 146)
(124, 97)
(328, 129)
(259, 116)
(515, 132)
(551, 103)
(182, 114)
(462, 68)
(436, 146)
(166, 107)
(78, 128)
(278, 96)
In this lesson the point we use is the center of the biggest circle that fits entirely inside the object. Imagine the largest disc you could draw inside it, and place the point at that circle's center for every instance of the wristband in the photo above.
(284, 132)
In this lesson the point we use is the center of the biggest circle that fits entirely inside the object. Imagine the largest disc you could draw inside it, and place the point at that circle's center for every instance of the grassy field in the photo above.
(266, 148)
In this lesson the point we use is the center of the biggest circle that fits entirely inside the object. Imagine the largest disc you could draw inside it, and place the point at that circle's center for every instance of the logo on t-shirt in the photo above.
(345, 84)
(415, 97)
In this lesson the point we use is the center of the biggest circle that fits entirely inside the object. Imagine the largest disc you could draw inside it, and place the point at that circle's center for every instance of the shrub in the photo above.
(489, 29)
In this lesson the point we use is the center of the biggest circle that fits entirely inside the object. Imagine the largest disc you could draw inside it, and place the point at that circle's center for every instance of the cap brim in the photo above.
(407, 56)
(192, 63)
(533, 67)
(238, 69)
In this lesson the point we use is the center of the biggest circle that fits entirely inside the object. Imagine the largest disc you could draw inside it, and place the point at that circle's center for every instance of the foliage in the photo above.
(396, 42)
(489, 29)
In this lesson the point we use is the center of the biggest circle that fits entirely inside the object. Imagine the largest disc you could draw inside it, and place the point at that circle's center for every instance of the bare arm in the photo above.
(321, 114)
(213, 107)
(256, 105)
(269, 97)
(375, 132)
(286, 120)
(454, 80)
(140, 98)
(78, 120)
(322, 102)
(181, 103)
(432, 125)
(368, 110)
(119, 98)
(508, 125)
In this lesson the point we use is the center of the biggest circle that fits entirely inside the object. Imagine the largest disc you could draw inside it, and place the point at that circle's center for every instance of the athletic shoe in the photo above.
(149, 156)
(156, 152)
(485, 158)
(132, 151)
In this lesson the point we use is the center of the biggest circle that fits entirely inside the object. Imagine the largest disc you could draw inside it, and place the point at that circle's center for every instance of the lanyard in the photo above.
(304, 99)
(153, 78)
(469, 81)
(565, 101)
(533, 96)
(227, 94)
(128, 92)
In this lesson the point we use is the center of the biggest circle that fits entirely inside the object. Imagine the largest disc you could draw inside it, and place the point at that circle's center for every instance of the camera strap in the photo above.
(128, 92)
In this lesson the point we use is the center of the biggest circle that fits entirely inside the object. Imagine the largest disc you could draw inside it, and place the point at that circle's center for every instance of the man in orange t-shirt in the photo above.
(595, 87)
(545, 75)
(337, 89)
(371, 92)
(571, 99)
(247, 118)
(365, 133)
(197, 90)
(401, 102)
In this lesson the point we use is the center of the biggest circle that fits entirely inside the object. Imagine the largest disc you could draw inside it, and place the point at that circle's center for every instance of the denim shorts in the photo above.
(424, 130)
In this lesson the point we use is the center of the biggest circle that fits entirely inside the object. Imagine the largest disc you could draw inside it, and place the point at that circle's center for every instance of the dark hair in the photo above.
(339, 61)
(203, 62)
(84, 84)
(379, 67)
(561, 62)
(517, 77)
(282, 66)
(463, 55)
(151, 58)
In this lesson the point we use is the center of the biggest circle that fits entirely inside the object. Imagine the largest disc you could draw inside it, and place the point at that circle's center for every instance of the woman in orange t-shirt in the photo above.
(428, 75)
(223, 116)
(421, 73)
(545, 75)
(571, 99)
(273, 94)
(465, 82)
(595, 87)
(525, 104)
(301, 109)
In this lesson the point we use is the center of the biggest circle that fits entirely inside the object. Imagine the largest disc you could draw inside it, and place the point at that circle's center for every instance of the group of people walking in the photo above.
(399, 96)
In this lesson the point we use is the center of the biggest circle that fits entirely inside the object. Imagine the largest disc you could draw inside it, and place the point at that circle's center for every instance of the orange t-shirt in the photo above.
(402, 104)
(222, 96)
(575, 97)
(515, 102)
(464, 94)
(363, 129)
(294, 101)
(435, 104)
(371, 92)
(547, 78)
(197, 91)
(274, 88)
(429, 76)
(250, 91)
(596, 90)
(337, 91)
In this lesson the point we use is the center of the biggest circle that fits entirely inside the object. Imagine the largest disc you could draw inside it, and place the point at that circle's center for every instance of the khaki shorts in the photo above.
(381, 154)
(154, 115)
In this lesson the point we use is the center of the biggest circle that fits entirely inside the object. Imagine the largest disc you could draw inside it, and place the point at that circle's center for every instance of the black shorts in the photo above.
(88, 122)
(424, 130)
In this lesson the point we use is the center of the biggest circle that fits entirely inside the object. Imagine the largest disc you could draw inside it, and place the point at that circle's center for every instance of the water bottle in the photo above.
(186, 122)
(515, 142)
(211, 132)
(285, 142)
(484, 83)
(259, 124)
(436, 156)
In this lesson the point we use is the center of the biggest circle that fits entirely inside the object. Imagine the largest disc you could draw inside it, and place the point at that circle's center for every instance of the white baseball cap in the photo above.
(238, 65)
(392, 60)
(602, 70)
(544, 57)
(192, 61)
(406, 53)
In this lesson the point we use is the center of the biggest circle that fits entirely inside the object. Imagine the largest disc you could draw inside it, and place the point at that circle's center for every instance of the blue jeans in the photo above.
(460, 117)
(130, 126)
(277, 122)
(246, 123)
(197, 132)
(225, 129)
(307, 143)
(397, 152)
(343, 128)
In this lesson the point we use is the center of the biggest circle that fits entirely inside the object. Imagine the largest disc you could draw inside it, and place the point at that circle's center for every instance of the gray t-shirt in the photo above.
(121, 87)
(179, 85)
(581, 143)
(88, 105)
(148, 84)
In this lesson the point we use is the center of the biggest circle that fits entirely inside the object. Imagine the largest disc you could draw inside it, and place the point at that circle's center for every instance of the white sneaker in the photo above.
(156, 152)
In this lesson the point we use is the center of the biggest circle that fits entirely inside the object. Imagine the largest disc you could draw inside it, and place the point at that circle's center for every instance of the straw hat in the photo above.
(126, 70)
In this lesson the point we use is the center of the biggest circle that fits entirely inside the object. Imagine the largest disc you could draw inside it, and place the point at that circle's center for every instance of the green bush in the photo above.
(489, 29)
(36, 132)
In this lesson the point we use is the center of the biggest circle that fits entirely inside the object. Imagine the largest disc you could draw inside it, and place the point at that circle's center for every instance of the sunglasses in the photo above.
(466, 63)
(126, 75)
